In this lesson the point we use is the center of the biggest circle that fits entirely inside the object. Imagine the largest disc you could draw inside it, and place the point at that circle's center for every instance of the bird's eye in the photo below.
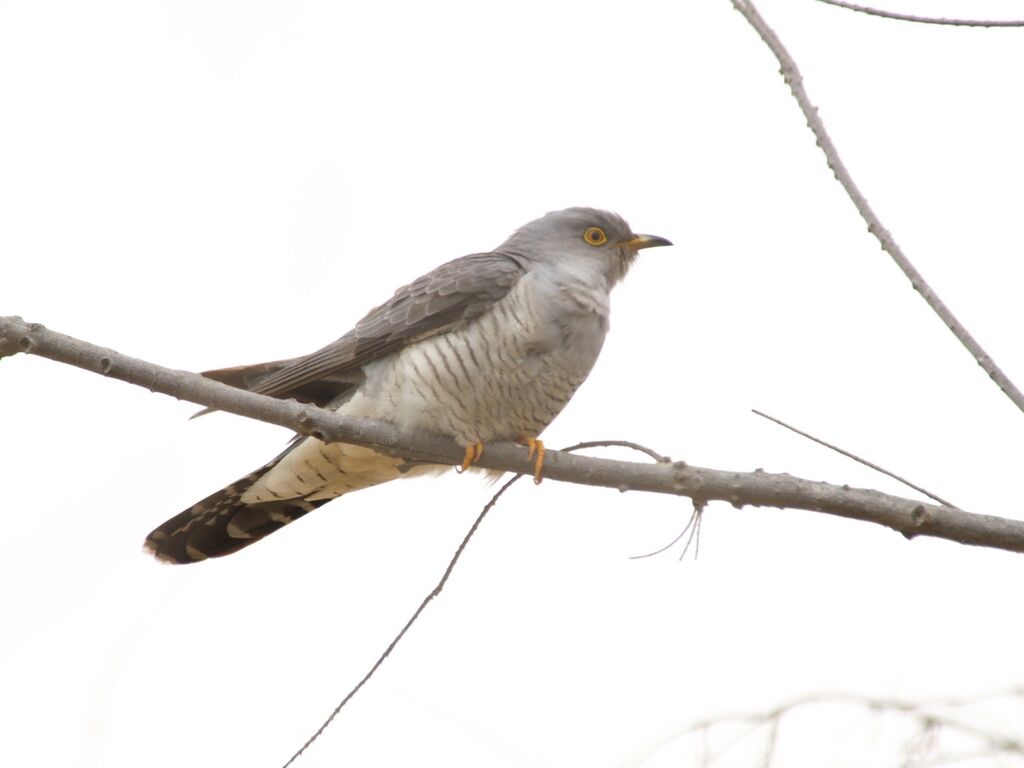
(595, 236)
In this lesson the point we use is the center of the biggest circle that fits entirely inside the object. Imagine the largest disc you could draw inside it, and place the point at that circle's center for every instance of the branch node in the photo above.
(736, 497)
(920, 516)
(25, 344)
(683, 480)
(105, 365)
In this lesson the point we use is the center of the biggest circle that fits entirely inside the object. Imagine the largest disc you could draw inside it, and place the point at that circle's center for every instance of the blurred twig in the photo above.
(934, 725)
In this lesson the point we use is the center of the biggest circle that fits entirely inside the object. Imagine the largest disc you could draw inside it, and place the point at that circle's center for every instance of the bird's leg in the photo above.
(473, 453)
(536, 448)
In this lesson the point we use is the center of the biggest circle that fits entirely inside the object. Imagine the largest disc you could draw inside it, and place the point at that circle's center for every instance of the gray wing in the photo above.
(439, 301)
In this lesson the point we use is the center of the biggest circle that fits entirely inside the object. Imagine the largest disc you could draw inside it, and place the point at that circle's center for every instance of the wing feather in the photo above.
(452, 294)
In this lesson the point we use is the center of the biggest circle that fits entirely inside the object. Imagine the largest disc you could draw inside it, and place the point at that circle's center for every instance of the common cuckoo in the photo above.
(487, 347)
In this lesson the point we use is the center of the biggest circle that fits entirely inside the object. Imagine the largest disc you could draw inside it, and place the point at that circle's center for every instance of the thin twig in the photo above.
(694, 537)
(856, 458)
(412, 620)
(794, 80)
(909, 517)
(692, 523)
(622, 444)
(921, 19)
(444, 579)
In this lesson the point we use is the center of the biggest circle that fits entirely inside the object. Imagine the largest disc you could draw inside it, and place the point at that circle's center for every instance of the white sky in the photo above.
(206, 183)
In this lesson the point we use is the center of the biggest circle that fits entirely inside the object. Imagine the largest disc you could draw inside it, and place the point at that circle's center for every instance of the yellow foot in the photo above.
(536, 447)
(473, 453)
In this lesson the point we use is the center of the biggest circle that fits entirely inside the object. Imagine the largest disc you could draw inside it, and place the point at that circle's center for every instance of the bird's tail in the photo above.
(222, 523)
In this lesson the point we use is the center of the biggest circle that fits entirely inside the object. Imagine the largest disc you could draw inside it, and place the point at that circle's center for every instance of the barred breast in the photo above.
(505, 375)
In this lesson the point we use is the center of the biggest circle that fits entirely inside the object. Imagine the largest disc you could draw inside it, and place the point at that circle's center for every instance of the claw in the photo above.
(536, 447)
(473, 453)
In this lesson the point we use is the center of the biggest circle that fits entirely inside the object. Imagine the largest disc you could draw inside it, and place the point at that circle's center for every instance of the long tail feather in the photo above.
(221, 523)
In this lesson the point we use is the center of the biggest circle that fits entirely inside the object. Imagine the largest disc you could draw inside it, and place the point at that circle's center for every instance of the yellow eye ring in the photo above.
(595, 236)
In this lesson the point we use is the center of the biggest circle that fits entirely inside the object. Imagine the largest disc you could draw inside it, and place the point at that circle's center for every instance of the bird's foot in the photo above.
(473, 453)
(536, 449)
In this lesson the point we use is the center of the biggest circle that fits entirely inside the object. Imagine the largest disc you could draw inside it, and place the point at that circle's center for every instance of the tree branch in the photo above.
(907, 516)
(923, 19)
(794, 80)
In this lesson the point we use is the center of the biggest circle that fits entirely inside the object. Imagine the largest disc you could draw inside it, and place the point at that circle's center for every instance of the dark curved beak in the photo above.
(646, 241)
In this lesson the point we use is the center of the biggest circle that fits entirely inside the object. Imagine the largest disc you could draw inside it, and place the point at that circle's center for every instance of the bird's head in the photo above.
(586, 234)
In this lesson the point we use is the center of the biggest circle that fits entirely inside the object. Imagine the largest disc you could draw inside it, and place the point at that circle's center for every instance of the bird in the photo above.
(487, 347)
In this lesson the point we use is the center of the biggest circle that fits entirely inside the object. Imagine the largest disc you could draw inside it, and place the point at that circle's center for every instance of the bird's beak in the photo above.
(646, 241)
